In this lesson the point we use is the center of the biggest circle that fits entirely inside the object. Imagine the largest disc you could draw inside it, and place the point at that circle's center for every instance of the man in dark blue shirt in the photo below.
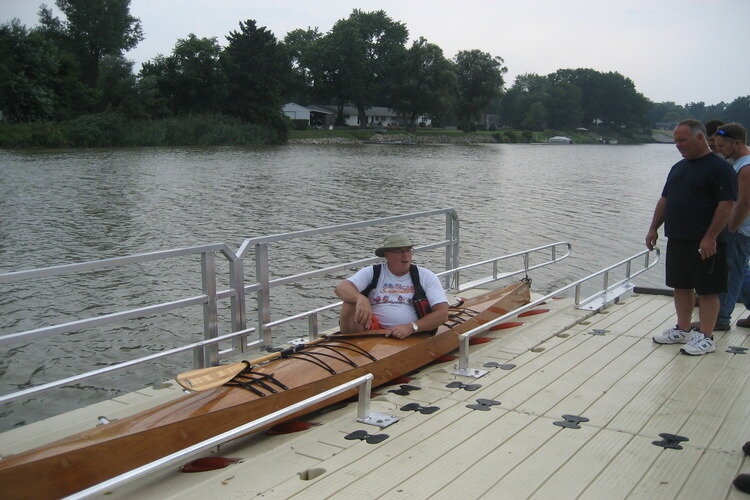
(695, 205)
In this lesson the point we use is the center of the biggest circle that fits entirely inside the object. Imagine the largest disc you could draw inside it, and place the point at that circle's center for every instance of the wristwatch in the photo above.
(415, 327)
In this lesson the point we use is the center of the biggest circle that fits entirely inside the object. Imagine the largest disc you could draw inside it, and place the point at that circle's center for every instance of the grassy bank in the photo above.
(507, 136)
(112, 130)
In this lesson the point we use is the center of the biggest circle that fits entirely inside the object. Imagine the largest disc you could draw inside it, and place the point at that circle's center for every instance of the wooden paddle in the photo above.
(212, 377)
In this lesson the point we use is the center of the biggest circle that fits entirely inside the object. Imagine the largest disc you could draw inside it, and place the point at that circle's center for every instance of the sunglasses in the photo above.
(724, 133)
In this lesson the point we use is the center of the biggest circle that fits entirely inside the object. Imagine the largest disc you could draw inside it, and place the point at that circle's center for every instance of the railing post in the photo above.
(363, 408)
(210, 312)
(451, 250)
(264, 294)
(605, 283)
(237, 304)
(526, 262)
(312, 326)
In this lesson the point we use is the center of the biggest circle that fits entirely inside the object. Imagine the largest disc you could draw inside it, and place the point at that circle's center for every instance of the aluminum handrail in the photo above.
(526, 268)
(495, 277)
(120, 366)
(311, 315)
(463, 356)
(341, 227)
(116, 262)
(364, 383)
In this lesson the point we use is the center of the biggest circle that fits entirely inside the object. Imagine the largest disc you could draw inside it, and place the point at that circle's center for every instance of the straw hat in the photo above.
(393, 241)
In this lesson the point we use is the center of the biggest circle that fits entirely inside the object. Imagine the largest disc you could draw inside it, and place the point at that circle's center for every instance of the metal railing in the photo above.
(609, 293)
(364, 415)
(207, 352)
(208, 299)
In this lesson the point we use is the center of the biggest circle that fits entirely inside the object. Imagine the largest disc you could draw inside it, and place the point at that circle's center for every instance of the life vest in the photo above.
(419, 299)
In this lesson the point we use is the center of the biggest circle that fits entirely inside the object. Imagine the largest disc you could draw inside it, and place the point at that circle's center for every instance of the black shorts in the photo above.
(686, 269)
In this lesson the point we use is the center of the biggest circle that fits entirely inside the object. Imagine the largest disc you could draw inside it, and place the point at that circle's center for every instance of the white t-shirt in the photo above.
(391, 299)
(739, 164)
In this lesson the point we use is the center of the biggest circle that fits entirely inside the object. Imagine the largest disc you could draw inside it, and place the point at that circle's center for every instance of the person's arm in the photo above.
(431, 321)
(707, 247)
(742, 207)
(349, 293)
(656, 221)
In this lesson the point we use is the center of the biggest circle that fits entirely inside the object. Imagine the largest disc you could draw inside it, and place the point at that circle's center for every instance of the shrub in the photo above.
(101, 129)
(299, 124)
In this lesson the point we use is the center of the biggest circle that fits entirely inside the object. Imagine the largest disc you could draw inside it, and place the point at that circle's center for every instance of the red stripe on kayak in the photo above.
(532, 312)
(479, 340)
(503, 326)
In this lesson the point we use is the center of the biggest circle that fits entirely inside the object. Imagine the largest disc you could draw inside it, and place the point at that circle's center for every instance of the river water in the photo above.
(64, 206)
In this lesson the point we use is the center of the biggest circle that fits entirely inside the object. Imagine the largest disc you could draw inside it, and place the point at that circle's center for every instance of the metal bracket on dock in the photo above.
(469, 372)
(380, 419)
(364, 415)
(612, 296)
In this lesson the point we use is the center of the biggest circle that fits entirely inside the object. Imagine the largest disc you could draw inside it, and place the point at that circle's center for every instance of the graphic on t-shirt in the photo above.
(400, 294)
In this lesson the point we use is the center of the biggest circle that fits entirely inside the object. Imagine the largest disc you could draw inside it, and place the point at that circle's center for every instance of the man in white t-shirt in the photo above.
(389, 304)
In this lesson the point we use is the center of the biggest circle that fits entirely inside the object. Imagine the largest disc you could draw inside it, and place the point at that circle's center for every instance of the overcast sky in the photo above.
(674, 50)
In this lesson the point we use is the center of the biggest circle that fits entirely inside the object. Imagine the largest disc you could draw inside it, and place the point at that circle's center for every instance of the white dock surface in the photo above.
(629, 388)
(603, 367)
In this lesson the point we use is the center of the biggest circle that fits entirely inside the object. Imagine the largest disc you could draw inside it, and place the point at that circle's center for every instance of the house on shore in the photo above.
(325, 116)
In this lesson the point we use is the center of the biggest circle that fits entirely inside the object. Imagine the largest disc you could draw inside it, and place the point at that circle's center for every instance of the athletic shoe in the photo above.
(673, 336)
(698, 345)
(744, 323)
(742, 483)
(746, 448)
(718, 327)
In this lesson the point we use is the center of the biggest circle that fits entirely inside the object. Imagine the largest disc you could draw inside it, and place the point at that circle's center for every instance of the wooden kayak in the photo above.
(87, 458)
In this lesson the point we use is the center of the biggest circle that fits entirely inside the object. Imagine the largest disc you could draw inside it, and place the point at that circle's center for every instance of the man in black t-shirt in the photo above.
(695, 205)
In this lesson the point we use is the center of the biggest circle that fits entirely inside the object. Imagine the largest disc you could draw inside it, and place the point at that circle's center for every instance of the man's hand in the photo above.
(707, 247)
(400, 331)
(363, 312)
(651, 238)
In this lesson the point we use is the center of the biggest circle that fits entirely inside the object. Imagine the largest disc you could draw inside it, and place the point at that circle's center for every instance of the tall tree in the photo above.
(190, 79)
(302, 47)
(94, 29)
(28, 63)
(363, 48)
(479, 78)
(256, 68)
(424, 82)
(607, 97)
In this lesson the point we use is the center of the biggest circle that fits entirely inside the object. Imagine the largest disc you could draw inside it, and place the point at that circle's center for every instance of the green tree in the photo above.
(607, 97)
(527, 89)
(739, 111)
(190, 79)
(479, 79)
(119, 91)
(536, 118)
(256, 68)
(424, 82)
(302, 46)
(28, 63)
(362, 50)
(94, 29)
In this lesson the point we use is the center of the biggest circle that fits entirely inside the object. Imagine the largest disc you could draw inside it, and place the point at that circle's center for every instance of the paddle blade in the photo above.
(209, 378)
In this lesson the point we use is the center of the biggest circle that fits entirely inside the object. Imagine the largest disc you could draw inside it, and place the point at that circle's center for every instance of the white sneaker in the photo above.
(699, 345)
(673, 336)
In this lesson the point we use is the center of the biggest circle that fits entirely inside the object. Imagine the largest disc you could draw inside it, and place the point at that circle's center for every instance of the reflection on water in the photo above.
(69, 206)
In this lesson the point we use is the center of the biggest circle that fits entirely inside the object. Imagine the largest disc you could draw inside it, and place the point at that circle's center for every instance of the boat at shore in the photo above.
(560, 397)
